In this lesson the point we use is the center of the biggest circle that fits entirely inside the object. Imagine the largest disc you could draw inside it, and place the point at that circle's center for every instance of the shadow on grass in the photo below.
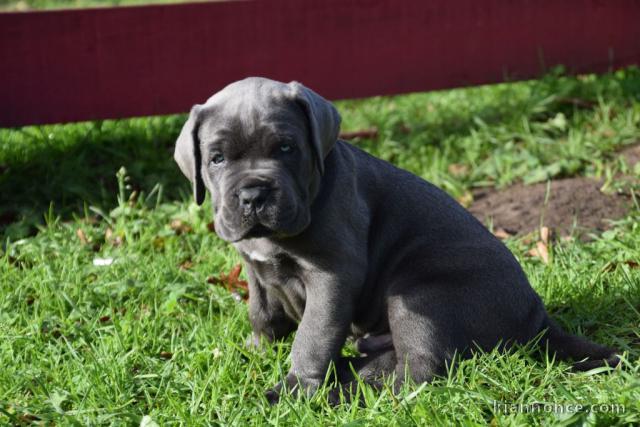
(65, 169)
(591, 318)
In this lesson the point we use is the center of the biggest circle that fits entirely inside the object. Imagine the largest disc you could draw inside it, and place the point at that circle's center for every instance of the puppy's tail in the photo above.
(585, 354)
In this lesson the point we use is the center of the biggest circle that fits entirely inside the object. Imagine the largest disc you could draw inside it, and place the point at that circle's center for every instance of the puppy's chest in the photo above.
(282, 276)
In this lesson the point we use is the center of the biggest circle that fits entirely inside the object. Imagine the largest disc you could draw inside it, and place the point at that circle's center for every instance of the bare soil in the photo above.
(631, 154)
(574, 204)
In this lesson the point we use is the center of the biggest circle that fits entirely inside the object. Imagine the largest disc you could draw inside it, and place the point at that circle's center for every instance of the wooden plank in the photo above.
(71, 65)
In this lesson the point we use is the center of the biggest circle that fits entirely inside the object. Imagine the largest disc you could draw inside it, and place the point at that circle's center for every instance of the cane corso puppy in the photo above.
(338, 243)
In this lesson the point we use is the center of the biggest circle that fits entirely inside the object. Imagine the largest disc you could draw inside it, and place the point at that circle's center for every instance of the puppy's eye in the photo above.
(286, 147)
(217, 158)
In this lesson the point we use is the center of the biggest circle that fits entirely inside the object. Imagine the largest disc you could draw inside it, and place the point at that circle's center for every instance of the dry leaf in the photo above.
(28, 418)
(112, 238)
(613, 265)
(545, 233)
(457, 169)
(180, 227)
(186, 264)
(234, 274)
(81, 236)
(238, 288)
(501, 233)
(540, 251)
(608, 133)
(466, 199)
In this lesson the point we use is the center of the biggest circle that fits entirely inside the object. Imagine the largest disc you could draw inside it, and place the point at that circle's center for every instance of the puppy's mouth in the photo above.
(256, 231)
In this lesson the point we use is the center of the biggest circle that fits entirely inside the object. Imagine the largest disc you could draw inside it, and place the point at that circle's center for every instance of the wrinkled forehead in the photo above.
(249, 115)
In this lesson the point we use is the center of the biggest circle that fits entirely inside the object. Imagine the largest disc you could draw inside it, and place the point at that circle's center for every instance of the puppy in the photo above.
(338, 243)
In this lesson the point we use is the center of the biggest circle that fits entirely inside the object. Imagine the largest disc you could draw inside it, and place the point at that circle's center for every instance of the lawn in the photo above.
(23, 5)
(111, 311)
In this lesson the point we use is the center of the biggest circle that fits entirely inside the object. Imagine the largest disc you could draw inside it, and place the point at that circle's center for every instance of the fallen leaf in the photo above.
(29, 418)
(545, 233)
(540, 251)
(213, 280)
(235, 273)
(81, 236)
(465, 199)
(502, 234)
(113, 238)
(180, 227)
(362, 134)
(613, 265)
(104, 319)
(186, 264)
(608, 133)
(239, 288)
(458, 169)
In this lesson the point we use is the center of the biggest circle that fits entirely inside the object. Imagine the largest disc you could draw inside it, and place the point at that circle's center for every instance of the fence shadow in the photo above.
(64, 168)
(67, 167)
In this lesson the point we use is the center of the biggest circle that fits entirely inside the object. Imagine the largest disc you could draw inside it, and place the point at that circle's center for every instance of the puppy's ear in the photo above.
(323, 118)
(187, 154)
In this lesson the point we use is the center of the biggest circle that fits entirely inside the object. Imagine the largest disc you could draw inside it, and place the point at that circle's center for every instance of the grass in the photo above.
(148, 339)
(24, 5)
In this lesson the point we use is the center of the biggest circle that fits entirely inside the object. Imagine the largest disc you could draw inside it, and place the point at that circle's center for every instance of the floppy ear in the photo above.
(187, 154)
(324, 121)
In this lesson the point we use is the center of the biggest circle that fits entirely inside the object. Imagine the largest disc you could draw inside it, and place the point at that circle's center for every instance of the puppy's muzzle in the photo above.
(253, 198)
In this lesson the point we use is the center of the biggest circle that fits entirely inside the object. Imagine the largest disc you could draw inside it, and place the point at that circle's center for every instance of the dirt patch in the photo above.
(631, 154)
(574, 204)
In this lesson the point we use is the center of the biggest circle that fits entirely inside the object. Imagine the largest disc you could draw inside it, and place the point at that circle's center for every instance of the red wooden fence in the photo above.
(69, 65)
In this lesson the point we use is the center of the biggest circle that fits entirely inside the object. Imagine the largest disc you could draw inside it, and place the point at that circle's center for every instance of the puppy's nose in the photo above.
(253, 197)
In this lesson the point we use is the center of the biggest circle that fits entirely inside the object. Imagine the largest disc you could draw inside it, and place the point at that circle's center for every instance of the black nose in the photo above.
(253, 197)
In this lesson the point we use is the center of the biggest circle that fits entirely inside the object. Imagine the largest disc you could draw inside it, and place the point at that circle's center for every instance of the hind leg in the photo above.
(371, 369)
(424, 330)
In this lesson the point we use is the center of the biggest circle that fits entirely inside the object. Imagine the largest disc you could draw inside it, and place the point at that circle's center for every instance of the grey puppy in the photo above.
(338, 243)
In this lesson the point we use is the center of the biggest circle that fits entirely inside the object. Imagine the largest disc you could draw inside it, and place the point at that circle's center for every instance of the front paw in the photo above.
(293, 385)
(255, 342)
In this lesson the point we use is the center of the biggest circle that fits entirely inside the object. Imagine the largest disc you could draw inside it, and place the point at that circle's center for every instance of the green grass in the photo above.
(83, 345)
(23, 5)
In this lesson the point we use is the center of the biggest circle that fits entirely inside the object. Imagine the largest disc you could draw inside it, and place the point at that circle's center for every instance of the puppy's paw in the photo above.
(292, 385)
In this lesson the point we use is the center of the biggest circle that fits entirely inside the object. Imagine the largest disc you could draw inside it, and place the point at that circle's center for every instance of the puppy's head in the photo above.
(258, 146)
